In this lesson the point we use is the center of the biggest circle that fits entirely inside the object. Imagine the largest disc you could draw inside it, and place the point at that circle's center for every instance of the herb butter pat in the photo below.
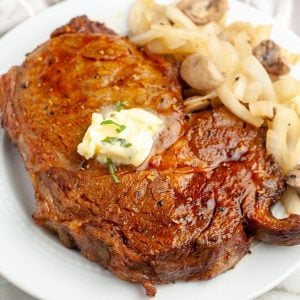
(125, 136)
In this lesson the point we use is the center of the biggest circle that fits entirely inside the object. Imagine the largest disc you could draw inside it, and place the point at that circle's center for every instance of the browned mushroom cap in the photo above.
(200, 73)
(202, 12)
(269, 54)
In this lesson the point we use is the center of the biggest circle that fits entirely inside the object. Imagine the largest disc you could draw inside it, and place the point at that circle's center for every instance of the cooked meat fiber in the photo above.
(190, 214)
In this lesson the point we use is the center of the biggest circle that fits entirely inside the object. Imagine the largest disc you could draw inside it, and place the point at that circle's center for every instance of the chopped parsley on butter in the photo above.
(125, 136)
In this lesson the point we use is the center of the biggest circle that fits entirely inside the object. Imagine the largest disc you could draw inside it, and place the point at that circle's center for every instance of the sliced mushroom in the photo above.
(269, 54)
(200, 73)
(202, 12)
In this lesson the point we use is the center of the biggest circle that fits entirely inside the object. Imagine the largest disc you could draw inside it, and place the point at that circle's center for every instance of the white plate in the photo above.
(35, 260)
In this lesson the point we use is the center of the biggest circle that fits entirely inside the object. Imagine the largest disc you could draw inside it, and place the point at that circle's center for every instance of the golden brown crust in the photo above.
(188, 214)
(184, 210)
(82, 25)
(59, 88)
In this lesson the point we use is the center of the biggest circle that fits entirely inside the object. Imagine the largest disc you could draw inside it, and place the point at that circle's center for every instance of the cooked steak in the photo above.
(190, 213)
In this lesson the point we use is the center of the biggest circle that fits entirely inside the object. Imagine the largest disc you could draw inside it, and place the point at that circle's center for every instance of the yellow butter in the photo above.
(128, 140)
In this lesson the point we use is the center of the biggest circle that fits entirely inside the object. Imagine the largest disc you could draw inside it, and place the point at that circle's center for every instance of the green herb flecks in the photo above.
(112, 170)
(120, 105)
(113, 140)
(119, 129)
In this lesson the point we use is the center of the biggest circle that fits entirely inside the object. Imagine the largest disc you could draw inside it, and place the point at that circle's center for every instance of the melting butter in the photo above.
(125, 136)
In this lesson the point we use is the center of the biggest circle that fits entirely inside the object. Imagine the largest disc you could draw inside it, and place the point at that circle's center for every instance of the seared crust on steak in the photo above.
(193, 209)
(82, 25)
(71, 76)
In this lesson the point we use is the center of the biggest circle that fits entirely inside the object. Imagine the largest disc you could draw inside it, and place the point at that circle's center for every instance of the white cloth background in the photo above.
(286, 12)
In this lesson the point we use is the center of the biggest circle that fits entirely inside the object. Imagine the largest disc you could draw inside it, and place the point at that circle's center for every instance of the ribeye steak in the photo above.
(189, 213)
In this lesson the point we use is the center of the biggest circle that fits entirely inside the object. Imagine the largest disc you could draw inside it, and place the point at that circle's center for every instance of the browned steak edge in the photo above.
(82, 24)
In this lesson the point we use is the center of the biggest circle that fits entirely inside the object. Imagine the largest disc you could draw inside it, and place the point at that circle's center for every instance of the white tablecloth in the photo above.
(285, 11)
